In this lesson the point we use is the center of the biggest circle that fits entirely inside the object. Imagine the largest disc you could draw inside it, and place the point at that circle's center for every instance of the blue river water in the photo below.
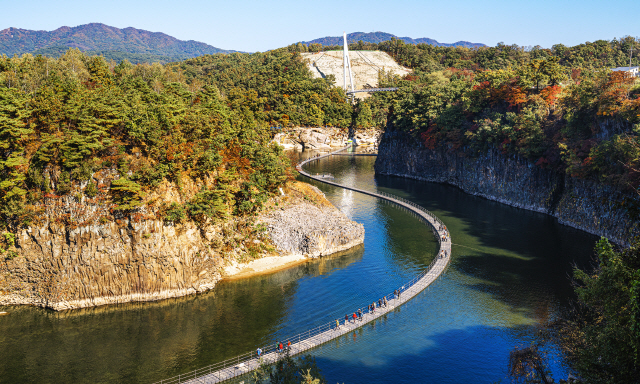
(509, 273)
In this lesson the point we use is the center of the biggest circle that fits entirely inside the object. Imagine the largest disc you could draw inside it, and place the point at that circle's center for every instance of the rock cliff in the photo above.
(63, 266)
(583, 204)
(324, 139)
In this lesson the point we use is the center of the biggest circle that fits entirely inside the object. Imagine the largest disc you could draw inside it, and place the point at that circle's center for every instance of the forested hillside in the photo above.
(561, 107)
(275, 87)
(64, 120)
(134, 45)
(378, 37)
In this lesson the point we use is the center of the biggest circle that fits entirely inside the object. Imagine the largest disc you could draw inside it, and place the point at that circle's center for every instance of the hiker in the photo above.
(259, 351)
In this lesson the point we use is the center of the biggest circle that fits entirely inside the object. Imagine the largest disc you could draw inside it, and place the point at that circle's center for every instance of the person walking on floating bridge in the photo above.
(360, 314)
(396, 294)
(337, 324)
(384, 301)
(259, 352)
(354, 317)
(289, 345)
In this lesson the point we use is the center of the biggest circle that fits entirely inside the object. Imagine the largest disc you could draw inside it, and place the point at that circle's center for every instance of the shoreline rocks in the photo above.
(325, 138)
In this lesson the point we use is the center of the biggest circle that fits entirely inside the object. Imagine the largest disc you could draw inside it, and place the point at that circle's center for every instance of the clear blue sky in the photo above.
(260, 25)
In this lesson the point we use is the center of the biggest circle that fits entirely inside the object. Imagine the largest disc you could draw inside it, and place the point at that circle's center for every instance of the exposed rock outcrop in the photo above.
(310, 231)
(583, 204)
(323, 139)
(63, 266)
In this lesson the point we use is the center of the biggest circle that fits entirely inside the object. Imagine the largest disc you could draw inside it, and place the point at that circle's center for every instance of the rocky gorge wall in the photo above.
(583, 204)
(326, 138)
(62, 266)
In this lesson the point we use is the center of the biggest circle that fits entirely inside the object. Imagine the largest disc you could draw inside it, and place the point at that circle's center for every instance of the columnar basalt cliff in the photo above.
(61, 265)
(583, 204)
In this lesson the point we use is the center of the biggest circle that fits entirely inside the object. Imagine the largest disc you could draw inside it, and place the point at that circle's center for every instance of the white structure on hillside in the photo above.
(346, 63)
(634, 71)
(365, 68)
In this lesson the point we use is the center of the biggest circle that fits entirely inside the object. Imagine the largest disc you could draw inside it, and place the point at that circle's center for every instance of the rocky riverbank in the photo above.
(59, 266)
(326, 138)
(583, 204)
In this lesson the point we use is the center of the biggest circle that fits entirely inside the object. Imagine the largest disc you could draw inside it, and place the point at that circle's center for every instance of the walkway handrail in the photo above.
(301, 337)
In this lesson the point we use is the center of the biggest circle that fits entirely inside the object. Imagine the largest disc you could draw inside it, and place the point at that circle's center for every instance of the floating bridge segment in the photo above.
(373, 90)
(304, 341)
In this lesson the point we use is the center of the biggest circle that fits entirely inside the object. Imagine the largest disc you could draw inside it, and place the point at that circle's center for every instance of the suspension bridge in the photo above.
(240, 365)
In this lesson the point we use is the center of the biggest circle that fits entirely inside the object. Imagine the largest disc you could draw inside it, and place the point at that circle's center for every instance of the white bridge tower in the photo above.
(346, 64)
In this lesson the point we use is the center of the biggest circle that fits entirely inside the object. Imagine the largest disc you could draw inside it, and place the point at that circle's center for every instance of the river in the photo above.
(510, 272)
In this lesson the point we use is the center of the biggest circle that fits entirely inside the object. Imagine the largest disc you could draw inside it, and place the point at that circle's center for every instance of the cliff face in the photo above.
(61, 265)
(64, 268)
(583, 204)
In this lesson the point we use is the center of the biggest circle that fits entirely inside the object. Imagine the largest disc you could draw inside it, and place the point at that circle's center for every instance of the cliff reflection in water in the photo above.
(145, 342)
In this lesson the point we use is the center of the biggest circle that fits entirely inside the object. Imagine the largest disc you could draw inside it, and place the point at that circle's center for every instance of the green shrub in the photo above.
(91, 190)
(175, 213)
(127, 194)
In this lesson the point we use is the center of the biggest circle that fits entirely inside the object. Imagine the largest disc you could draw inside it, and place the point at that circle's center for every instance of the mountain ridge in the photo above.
(378, 37)
(100, 38)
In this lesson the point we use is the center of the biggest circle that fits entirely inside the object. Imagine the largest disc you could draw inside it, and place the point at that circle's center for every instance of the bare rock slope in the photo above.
(365, 66)
(311, 231)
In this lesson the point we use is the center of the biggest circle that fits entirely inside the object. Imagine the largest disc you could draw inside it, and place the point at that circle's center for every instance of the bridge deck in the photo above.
(243, 364)
(373, 90)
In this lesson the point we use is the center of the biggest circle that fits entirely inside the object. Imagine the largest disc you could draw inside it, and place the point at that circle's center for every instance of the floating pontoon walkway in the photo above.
(240, 365)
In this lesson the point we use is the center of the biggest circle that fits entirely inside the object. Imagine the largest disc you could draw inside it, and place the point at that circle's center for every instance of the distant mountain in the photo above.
(136, 45)
(378, 37)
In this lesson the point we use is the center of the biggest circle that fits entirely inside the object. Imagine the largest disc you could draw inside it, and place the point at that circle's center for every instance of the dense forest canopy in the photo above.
(63, 120)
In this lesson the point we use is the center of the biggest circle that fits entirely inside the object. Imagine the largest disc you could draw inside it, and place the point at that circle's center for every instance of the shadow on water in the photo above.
(504, 248)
